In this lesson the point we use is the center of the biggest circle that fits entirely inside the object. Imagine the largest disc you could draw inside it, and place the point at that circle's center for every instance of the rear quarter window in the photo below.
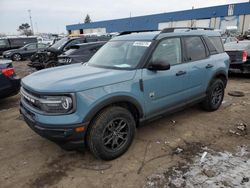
(215, 45)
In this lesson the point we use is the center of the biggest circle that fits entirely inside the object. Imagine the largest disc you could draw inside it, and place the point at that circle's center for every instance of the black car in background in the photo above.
(239, 53)
(24, 52)
(79, 53)
(9, 82)
(48, 57)
(15, 42)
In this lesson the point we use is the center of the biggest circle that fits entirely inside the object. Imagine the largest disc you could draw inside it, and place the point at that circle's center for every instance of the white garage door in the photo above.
(228, 22)
(202, 23)
(94, 30)
(164, 25)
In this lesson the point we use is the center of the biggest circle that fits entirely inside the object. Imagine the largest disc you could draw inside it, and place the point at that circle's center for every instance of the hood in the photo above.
(53, 50)
(74, 78)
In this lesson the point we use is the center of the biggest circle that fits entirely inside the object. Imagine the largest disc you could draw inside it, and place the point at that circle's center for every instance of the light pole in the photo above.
(31, 24)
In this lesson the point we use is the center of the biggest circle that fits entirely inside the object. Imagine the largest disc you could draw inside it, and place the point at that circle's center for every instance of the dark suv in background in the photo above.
(9, 43)
(79, 53)
(48, 58)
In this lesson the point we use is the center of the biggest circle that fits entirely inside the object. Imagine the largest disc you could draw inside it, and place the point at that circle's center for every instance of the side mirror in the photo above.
(25, 49)
(159, 65)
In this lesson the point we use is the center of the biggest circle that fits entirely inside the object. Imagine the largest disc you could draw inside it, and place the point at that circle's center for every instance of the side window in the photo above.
(195, 48)
(168, 50)
(71, 43)
(3, 43)
(217, 43)
(31, 47)
(41, 46)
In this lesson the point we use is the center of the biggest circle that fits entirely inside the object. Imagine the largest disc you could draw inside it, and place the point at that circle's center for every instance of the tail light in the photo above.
(8, 72)
(244, 56)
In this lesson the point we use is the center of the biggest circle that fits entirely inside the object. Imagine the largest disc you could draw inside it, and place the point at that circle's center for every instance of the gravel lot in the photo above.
(161, 147)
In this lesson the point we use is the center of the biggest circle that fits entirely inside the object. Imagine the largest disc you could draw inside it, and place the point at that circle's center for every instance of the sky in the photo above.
(52, 16)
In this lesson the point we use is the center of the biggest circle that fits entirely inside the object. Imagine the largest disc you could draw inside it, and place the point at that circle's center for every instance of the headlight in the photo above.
(48, 53)
(56, 104)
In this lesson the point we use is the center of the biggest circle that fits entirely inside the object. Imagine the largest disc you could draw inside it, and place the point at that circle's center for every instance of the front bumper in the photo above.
(62, 135)
(7, 56)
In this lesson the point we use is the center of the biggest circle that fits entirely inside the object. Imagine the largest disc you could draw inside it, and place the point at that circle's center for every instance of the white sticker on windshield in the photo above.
(123, 66)
(142, 43)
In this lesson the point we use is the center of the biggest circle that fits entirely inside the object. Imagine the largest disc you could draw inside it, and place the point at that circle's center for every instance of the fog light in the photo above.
(79, 129)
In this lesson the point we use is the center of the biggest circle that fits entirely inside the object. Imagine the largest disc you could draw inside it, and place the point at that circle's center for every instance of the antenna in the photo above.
(31, 24)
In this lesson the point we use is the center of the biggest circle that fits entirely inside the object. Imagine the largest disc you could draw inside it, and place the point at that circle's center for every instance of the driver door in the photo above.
(164, 89)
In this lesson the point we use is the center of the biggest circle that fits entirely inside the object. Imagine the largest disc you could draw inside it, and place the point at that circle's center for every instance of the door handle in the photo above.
(180, 73)
(209, 66)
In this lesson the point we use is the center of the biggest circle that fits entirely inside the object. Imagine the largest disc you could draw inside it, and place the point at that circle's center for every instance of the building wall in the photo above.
(218, 17)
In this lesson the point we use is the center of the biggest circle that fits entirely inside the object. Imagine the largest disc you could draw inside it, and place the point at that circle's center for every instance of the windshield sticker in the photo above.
(123, 66)
(142, 43)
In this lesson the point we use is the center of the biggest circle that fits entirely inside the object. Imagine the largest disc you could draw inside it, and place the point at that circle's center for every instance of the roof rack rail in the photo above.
(172, 29)
(136, 31)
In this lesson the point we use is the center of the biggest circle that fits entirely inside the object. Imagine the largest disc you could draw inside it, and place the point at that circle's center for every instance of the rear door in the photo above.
(198, 64)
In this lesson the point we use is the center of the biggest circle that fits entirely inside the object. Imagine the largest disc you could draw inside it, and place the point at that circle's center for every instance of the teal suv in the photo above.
(131, 79)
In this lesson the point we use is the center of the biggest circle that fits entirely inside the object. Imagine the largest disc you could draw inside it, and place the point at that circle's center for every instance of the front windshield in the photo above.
(59, 43)
(120, 54)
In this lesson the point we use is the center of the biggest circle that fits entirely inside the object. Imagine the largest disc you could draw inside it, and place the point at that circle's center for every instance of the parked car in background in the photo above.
(229, 39)
(239, 53)
(9, 82)
(8, 43)
(24, 52)
(132, 79)
(79, 53)
(48, 58)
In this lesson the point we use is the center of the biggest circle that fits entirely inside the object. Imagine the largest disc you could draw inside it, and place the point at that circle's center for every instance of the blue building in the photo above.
(219, 17)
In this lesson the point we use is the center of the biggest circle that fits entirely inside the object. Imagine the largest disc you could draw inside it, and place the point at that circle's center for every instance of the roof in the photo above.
(137, 36)
(159, 35)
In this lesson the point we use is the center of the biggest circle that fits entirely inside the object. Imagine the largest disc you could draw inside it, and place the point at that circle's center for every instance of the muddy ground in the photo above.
(175, 141)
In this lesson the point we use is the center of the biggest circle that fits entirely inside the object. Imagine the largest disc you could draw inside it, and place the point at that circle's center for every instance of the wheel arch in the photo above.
(220, 75)
(127, 102)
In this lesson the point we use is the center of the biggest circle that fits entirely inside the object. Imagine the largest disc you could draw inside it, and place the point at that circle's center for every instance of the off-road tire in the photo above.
(209, 103)
(101, 124)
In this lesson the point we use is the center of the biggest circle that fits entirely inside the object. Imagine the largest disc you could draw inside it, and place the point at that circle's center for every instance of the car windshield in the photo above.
(120, 54)
(60, 43)
(237, 46)
(70, 51)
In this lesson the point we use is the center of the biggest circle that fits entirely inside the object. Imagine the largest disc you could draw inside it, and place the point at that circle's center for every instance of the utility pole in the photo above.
(32, 29)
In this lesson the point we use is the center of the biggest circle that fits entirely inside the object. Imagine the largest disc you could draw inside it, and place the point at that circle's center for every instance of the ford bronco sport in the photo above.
(131, 79)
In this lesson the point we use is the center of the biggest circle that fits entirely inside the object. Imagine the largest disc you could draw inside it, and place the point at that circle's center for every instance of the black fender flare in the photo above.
(112, 100)
(218, 74)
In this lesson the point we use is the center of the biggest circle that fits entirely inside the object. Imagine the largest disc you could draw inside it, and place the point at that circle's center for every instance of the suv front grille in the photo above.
(30, 98)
